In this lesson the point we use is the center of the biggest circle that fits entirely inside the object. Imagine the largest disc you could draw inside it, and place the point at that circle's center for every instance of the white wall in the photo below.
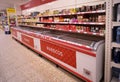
(18, 9)
(62, 4)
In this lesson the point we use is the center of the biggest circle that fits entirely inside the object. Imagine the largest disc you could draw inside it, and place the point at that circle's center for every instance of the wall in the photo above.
(61, 4)
(18, 9)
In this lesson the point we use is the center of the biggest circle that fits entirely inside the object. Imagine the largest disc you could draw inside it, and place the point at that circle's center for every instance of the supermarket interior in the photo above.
(59, 40)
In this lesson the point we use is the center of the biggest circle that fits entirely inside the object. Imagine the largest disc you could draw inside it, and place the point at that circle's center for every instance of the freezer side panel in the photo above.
(86, 65)
(100, 61)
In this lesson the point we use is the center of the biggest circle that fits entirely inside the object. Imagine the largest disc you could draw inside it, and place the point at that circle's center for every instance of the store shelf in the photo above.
(29, 26)
(76, 23)
(89, 12)
(114, 44)
(91, 23)
(116, 24)
(115, 64)
(114, 79)
(81, 32)
(116, 1)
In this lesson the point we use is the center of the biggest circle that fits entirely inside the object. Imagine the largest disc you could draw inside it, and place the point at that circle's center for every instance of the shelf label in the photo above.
(60, 52)
(94, 33)
(85, 32)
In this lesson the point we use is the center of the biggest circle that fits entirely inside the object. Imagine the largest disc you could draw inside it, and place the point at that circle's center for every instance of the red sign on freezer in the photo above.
(28, 40)
(60, 52)
(14, 32)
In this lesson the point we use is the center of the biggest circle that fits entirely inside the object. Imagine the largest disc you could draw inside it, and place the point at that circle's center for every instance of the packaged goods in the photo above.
(118, 35)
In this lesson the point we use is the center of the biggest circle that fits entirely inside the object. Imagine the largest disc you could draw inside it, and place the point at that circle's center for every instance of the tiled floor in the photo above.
(19, 64)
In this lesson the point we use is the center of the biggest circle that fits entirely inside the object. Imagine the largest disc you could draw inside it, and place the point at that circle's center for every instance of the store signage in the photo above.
(11, 10)
(60, 52)
(34, 3)
(14, 32)
(28, 40)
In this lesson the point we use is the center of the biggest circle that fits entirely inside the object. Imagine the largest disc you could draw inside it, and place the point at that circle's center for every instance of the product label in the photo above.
(60, 52)
(28, 40)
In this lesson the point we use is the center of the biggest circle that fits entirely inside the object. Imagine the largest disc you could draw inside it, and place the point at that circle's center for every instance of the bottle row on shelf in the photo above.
(80, 18)
(116, 55)
(84, 8)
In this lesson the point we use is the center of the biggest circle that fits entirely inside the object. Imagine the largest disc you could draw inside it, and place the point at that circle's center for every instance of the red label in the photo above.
(67, 56)
(34, 3)
(28, 40)
(14, 32)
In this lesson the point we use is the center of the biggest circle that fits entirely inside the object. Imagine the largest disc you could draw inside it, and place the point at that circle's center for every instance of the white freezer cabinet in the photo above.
(80, 55)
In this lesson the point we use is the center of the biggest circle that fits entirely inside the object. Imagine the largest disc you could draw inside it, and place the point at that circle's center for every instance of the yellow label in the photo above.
(11, 10)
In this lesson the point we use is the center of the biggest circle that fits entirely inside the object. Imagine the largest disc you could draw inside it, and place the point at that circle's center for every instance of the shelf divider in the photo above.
(113, 64)
(114, 44)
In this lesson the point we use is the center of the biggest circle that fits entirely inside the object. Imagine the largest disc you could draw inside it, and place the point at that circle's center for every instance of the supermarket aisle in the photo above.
(19, 64)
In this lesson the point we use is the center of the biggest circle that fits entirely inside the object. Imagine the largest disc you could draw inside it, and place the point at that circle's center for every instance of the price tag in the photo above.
(94, 33)
(85, 32)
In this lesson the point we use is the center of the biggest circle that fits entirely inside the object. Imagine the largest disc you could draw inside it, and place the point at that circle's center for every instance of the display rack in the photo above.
(71, 25)
(110, 43)
(73, 40)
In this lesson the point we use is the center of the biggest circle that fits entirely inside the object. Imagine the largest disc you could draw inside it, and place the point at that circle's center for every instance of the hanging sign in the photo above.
(11, 10)
(34, 3)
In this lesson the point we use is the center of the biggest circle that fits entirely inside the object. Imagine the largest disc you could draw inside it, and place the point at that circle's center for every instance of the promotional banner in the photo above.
(60, 52)
(34, 3)
(14, 32)
(28, 40)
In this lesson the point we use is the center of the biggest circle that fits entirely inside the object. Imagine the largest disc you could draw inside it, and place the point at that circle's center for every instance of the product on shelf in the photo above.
(55, 12)
(72, 11)
(116, 73)
(80, 18)
(116, 12)
(116, 55)
(83, 9)
(40, 25)
(77, 10)
(56, 19)
(61, 19)
(118, 35)
(101, 18)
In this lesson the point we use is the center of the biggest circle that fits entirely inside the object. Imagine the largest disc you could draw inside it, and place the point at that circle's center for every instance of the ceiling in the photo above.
(10, 3)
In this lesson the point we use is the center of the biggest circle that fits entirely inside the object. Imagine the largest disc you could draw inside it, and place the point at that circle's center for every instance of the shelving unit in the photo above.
(110, 42)
(71, 25)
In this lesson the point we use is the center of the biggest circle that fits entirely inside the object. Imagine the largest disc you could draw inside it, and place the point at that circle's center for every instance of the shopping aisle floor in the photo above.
(19, 64)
